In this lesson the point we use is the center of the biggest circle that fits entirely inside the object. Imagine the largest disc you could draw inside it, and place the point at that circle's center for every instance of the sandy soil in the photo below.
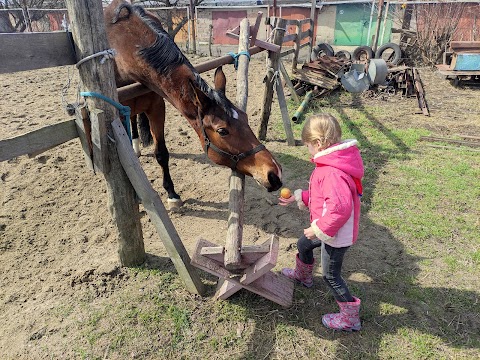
(57, 240)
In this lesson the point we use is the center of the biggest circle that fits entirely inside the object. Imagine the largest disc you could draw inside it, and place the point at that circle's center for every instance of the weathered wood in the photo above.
(422, 103)
(233, 243)
(290, 37)
(272, 71)
(451, 141)
(30, 51)
(284, 111)
(296, 46)
(254, 29)
(258, 269)
(84, 129)
(88, 30)
(38, 141)
(272, 286)
(286, 77)
(315, 78)
(257, 42)
(250, 253)
(156, 210)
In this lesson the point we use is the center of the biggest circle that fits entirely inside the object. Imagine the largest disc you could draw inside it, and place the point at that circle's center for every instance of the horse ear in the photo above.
(200, 100)
(122, 12)
(220, 80)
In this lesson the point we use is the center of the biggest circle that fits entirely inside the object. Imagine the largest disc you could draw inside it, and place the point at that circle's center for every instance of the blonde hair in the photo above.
(322, 127)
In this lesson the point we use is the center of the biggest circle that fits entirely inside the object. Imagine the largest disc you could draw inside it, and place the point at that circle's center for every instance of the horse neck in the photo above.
(180, 94)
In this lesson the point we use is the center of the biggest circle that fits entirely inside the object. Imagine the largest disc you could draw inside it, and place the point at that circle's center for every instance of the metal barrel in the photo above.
(302, 107)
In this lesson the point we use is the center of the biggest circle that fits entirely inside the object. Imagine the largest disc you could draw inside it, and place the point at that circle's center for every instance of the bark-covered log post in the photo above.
(233, 243)
(271, 77)
(88, 28)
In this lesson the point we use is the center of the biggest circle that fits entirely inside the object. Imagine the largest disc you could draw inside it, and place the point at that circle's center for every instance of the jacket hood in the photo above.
(344, 156)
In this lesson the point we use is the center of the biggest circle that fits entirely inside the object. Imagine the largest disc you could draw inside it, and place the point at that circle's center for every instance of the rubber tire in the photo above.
(320, 48)
(344, 54)
(396, 49)
(362, 50)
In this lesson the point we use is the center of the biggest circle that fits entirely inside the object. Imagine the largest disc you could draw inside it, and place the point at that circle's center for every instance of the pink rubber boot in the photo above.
(303, 273)
(348, 318)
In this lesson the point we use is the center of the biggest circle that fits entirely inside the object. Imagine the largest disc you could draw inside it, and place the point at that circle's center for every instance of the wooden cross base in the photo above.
(252, 274)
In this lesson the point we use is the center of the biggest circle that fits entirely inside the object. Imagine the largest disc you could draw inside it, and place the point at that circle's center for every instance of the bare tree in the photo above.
(435, 26)
(20, 20)
(168, 17)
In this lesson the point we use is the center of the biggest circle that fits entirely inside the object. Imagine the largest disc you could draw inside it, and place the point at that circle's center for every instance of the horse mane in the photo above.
(165, 56)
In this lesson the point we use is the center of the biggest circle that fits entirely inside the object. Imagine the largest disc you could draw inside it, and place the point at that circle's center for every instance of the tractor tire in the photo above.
(362, 53)
(320, 50)
(343, 54)
(393, 57)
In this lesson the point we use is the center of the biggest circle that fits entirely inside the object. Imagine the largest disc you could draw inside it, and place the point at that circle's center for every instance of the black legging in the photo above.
(332, 260)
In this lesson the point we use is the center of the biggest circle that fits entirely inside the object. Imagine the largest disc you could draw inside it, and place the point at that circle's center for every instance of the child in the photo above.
(333, 198)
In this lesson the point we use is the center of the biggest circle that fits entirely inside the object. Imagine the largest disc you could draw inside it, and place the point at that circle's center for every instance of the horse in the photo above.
(147, 54)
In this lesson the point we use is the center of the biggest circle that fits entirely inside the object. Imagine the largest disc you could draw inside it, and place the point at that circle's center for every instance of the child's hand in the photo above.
(309, 233)
(287, 201)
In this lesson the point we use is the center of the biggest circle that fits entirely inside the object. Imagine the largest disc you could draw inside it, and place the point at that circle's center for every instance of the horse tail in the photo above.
(144, 127)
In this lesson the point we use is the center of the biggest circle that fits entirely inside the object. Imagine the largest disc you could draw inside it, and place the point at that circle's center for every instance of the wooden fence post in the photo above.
(233, 243)
(271, 77)
(88, 30)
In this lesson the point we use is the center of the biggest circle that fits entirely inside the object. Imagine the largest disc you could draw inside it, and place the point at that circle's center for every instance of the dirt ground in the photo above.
(57, 240)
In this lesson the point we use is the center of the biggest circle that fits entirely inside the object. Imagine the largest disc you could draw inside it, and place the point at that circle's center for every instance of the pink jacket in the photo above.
(334, 194)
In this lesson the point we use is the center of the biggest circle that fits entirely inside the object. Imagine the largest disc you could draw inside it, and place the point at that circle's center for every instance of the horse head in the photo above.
(147, 54)
(228, 139)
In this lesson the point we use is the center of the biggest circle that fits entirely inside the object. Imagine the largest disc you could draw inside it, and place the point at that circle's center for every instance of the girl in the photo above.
(333, 198)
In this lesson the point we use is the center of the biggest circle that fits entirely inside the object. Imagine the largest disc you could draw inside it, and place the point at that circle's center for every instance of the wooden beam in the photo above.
(284, 111)
(30, 51)
(38, 141)
(272, 68)
(233, 243)
(286, 77)
(156, 210)
(88, 30)
(260, 43)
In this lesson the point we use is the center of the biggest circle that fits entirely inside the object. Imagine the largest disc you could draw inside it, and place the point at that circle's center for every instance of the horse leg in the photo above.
(135, 140)
(156, 117)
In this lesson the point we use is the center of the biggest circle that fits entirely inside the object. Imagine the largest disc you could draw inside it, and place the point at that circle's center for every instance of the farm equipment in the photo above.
(462, 62)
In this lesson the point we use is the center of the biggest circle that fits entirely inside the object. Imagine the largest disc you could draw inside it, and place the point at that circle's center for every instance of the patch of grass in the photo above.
(423, 346)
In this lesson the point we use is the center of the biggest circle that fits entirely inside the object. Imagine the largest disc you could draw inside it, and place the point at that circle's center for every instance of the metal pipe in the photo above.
(302, 107)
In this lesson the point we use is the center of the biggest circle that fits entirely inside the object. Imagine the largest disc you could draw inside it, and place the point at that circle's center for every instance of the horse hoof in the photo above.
(136, 147)
(174, 204)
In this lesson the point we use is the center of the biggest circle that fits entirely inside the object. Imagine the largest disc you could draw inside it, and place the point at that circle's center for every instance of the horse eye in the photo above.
(222, 132)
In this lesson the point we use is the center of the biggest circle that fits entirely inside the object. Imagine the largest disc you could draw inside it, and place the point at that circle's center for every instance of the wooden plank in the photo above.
(305, 34)
(254, 29)
(286, 77)
(38, 141)
(29, 51)
(264, 45)
(292, 22)
(211, 266)
(155, 209)
(316, 79)
(84, 129)
(451, 141)
(272, 286)
(253, 272)
(250, 253)
(272, 68)
(284, 111)
(290, 37)
(263, 265)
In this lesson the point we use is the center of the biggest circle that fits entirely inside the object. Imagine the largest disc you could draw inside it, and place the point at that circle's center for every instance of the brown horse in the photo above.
(147, 54)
